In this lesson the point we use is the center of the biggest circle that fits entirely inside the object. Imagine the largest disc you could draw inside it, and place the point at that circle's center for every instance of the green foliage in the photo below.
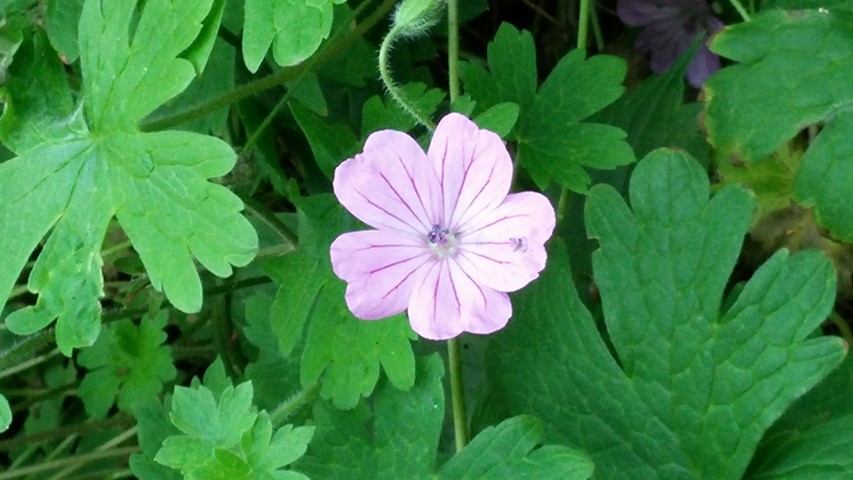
(341, 351)
(127, 361)
(554, 143)
(399, 439)
(694, 388)
(78, 168)
(751, 110)
(5, 414)
(61, 19)
(224, 437)
(294, 28)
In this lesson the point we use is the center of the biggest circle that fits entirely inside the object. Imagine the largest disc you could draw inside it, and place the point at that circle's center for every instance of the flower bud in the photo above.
(414, 17)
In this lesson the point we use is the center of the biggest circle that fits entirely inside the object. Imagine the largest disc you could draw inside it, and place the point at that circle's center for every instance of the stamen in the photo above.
(519, 244)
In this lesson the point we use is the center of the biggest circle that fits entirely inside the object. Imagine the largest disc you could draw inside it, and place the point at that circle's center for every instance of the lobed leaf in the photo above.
(751, 111)
(693, 388)
(71, 177)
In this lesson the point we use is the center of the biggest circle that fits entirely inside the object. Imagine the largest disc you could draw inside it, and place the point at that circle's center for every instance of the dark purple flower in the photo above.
(670, 28)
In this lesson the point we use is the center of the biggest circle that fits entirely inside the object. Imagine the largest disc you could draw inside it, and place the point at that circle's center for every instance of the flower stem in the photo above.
(583, 23)
(393, 89)
(454, 360)
(453, 50)
(457, 393)
(740, 10)
(75, 460)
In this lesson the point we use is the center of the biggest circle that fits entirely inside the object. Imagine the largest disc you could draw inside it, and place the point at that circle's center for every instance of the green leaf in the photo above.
(512, 70)
(507, 451)
(655, 115)
(224, 438)
(61, 20)
(823, 179)
(5, 414)
(295, 29)
(330, 143)
(216, 80)
(378, 114)
(499, 118)
(129, 360)
(154, 428)
(553, 142)
(817, 453)
(199, 52)
(812, 438)
(751, 112)
(694, 388)
(341, 351)
(74, 180)
(399, 439)
(39, 104)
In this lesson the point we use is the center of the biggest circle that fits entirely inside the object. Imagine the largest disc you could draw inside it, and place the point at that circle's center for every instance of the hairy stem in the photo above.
(393, 89)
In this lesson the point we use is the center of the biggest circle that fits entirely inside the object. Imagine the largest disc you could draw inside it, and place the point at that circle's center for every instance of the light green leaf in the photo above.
(295, 28)
(694, 388)
(5, 414)
(73, 181)
(61, 20)
(200, 50)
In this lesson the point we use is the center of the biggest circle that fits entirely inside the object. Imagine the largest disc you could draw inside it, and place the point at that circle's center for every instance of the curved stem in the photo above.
(393, 89)
(76, 459)
(293, 404)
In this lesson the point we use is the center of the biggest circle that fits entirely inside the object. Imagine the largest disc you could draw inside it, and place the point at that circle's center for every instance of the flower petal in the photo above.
(391, 185)
(473, 168)
(505, 249)
(447, 302)
(381, 269)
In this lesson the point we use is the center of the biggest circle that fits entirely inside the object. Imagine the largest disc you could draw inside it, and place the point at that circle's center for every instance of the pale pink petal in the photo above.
(448, 302)
(473, 168)
(391, 185)
(381, 269)
(505, 249)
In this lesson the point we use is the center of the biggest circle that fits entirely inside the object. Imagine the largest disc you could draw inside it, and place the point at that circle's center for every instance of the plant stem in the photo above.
(596, 29)
(740, 10)
(454, 360)
(453, 50)
(290, 406)
(76, 459)
(393, 89)
(249, 89)
(583, 23)
(94, 426)
(29, 363)
(263, 214)
(457, 394)
(113, 442)
(842, 326)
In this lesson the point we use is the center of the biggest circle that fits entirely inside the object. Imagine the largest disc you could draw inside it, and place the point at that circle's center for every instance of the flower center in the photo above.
(442, 242)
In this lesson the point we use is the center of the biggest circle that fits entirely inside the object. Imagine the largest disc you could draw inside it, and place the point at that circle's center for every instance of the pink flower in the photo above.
(449, 239)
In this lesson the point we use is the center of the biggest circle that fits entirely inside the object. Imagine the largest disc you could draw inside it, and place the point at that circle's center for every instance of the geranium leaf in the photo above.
(342, 352)
(554, 143)
(73, 180)
(751, 112)
(5, 414)
(294, 28)
(399, 439)
(61, 20)
(694, 388)
(129, 360)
